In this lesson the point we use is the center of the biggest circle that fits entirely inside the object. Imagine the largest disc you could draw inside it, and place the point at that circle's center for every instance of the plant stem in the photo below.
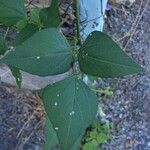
(6, 33)
(77, 22)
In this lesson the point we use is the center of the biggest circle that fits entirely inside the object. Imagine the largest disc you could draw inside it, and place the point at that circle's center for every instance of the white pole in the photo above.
(92, 14)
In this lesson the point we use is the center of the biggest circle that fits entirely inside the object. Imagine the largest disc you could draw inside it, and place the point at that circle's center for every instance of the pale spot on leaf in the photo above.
(56, 104)
(72, 113)
(38, 57)
(56, 128)
(18, 79)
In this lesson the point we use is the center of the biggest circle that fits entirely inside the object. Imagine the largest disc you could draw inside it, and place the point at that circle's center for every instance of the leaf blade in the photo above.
(26, 33)
(101, 56)
(11, 11)
(34, 17)
(50, 16)
(51, 138)
(40, 56)
(71, 102)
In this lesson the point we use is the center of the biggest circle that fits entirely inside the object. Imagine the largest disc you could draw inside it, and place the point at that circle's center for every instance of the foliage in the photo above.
(50, 16)
(2, 46)
(11, 11)
(34, 17)
(106, 92)
(99, 58)
(50, 135)
(41, 49)
(96, 135)
(25, 33)
(72, 100)
(17, 74)
(52, 56)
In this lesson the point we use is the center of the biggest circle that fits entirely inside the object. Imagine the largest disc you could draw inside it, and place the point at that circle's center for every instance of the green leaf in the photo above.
(50, 16)
(93, 133)
(45, 53)
(50, 135)
(92, 145)
(101, 56)
(77, 144)
(71, 107)
(11, 11)
(51, 139)
(34, 17)
(26, 33)
(17, 75)
(21, 24)
(2, 46)
(102, 138)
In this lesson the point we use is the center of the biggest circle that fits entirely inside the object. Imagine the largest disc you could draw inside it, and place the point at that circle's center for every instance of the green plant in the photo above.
(41, 49)
(106, 92)
(97, 134)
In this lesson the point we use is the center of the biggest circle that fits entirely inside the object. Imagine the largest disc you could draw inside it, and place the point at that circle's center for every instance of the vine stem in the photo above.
(6, 33)
(77, 22)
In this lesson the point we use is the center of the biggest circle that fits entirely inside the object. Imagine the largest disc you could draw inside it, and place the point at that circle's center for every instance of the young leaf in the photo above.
(92, 145)
(2, 46)
(50, 16)
(11, 11)
(21, 24)
(34, 17)
(50, 135)
(45, 53)
(102, 138)
(26, 33)
(71, 107)
(17, 75)
(101, 56)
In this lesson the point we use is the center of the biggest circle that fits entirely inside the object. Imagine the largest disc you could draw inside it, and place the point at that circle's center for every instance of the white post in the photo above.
(92, 14)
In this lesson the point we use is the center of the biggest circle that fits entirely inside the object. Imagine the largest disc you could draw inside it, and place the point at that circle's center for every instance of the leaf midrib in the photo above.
(70, 120)
(82, 118)
(109, 62)
(34, 57)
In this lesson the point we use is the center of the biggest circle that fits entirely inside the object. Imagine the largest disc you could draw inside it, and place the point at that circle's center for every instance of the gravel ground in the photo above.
(21, 122)
(21, 126)
(129, 107)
